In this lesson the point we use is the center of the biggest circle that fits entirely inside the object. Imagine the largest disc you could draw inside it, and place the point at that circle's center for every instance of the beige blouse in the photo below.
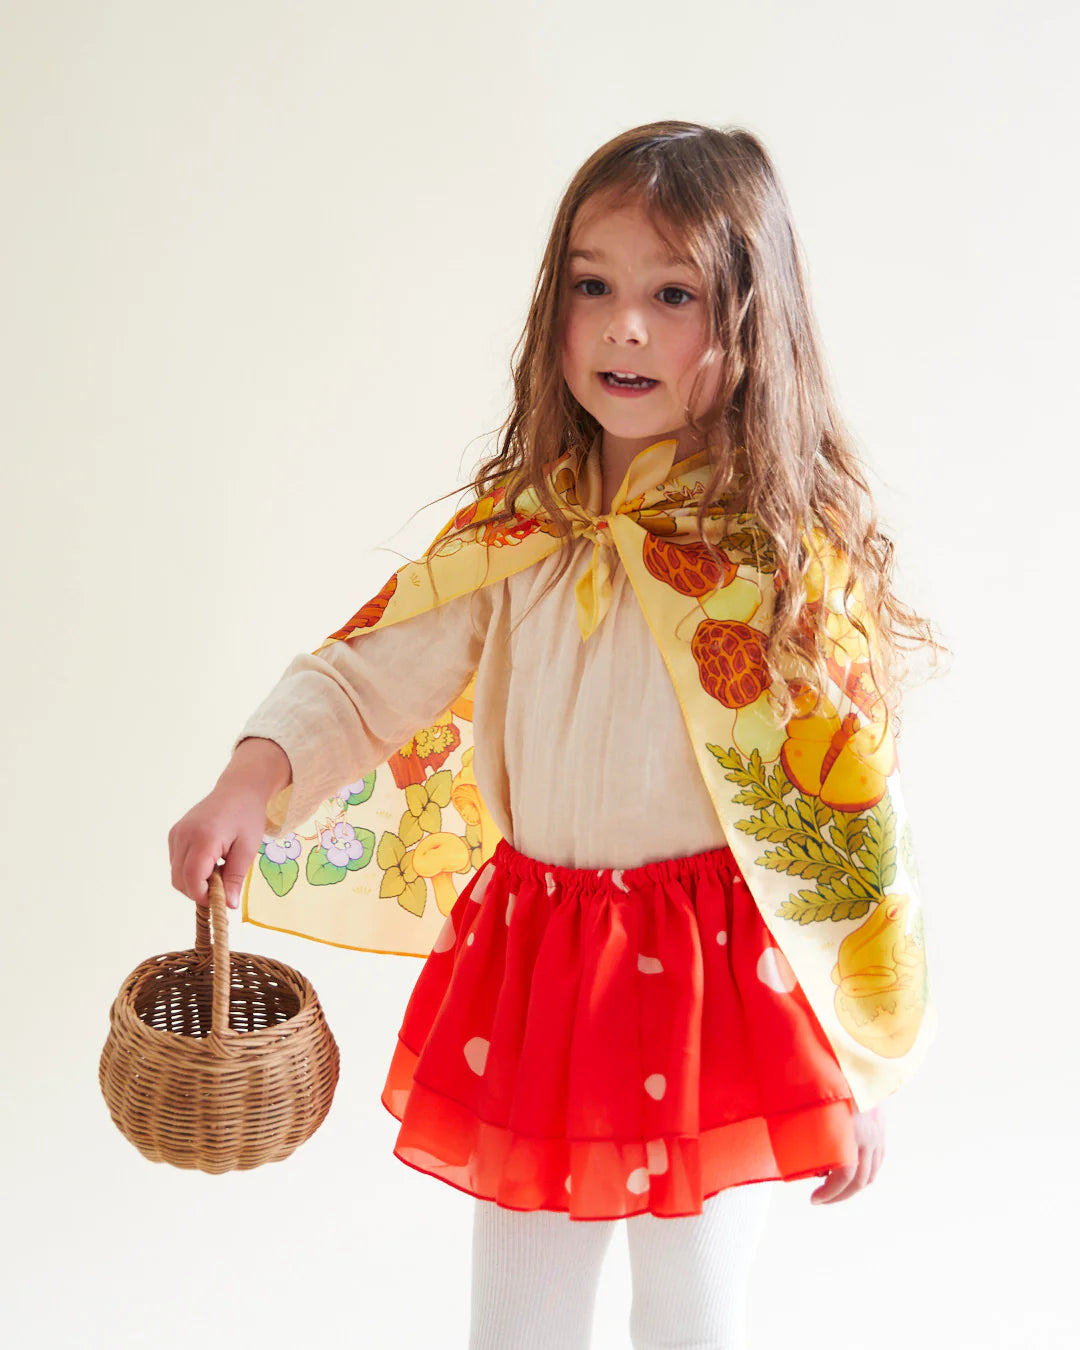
(582, 755)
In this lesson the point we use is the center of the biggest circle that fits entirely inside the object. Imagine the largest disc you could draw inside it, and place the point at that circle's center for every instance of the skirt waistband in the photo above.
(716, 860)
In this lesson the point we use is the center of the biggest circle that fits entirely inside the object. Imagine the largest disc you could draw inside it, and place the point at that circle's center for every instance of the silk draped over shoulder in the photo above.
(624, 720)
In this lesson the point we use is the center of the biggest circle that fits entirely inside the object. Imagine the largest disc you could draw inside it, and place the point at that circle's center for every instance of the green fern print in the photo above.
(851, 857)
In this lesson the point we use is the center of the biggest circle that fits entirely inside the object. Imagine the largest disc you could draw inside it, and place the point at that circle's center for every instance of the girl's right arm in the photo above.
(330, 719)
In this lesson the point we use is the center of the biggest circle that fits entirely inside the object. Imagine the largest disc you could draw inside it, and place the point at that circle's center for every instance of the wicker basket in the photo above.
(215, 1060)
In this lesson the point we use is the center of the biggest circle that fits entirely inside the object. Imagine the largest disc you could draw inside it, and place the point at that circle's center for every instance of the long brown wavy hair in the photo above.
(776, 443)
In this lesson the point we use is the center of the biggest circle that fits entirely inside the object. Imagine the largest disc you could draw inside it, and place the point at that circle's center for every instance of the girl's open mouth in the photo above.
(621, 384)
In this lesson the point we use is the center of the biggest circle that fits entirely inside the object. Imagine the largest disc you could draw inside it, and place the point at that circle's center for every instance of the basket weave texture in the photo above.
(215, 1060)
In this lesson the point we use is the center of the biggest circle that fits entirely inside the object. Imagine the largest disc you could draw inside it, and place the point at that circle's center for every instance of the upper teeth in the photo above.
(626, 375)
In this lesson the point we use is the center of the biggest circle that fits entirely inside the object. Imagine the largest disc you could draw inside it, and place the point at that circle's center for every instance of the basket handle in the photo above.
(216, 906)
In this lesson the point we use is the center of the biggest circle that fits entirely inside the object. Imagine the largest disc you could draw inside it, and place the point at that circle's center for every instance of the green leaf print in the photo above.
(850, 857)
(815, 906)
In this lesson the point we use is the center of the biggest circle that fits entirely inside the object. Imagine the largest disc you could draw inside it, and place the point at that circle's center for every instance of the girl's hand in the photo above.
(844, 1182)
(227, 823)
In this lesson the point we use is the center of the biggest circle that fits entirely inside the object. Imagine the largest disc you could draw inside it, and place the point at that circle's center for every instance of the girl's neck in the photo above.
(617, 454)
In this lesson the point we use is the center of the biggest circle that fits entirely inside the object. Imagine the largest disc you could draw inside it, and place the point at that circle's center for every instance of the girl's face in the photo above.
(631, 308)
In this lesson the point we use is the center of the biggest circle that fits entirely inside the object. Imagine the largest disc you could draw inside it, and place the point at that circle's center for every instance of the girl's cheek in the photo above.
(571, 344)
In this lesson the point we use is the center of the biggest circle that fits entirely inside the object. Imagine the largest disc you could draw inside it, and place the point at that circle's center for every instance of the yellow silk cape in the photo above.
(812, 809)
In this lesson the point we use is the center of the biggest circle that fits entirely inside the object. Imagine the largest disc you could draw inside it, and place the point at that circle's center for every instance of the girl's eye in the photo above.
(592, 281)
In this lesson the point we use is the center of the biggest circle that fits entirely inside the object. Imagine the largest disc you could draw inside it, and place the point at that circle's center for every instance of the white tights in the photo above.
(535, 1275)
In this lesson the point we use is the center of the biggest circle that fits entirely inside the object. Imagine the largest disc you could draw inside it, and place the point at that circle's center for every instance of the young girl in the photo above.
(642, 694)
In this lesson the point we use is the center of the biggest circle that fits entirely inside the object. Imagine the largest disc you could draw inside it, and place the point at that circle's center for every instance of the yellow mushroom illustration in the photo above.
(880, 980)
(826, 577)
(467, 801)
(839, 760)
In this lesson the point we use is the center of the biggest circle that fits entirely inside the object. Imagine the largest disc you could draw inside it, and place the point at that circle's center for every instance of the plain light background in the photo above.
(264, 266)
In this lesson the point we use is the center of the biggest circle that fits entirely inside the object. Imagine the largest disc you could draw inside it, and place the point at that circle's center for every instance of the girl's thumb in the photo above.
(232, 877)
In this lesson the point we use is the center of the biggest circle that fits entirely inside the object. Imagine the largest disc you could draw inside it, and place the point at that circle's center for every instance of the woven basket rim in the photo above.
(125, 1018)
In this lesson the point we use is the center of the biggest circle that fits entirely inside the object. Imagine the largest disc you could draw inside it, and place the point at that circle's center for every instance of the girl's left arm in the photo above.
(844, 1182)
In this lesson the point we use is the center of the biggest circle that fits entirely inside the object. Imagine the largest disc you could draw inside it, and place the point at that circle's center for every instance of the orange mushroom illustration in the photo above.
(728, 651)
(436, 858)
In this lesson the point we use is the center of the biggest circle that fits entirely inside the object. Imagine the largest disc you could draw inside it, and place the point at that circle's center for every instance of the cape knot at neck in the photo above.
(593, 590)
(599, 531)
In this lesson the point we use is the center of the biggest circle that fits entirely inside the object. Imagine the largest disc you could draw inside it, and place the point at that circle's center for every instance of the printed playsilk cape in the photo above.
(812, 809)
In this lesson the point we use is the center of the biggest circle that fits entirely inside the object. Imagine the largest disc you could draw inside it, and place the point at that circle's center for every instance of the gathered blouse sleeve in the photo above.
(340, 714)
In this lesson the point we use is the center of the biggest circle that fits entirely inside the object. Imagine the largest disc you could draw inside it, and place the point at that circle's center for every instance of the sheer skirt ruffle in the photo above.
(612, 1042)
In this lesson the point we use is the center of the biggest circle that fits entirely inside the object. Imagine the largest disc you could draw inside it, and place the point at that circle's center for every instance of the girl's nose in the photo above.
(626, 325)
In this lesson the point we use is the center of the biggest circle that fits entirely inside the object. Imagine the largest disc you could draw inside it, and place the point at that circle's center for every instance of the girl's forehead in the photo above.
(628, 232)
(595, 219)
(602, 211)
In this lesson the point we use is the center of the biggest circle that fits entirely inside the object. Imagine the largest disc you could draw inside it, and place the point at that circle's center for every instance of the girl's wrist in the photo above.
(257, 764)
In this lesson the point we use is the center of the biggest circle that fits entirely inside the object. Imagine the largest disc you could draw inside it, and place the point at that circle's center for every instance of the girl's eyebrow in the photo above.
(670, 259)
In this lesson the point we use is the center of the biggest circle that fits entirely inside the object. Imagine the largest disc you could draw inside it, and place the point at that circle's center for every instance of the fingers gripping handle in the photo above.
(216, 909)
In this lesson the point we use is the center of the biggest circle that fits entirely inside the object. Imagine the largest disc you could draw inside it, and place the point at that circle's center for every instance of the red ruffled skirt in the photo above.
(612, 1042)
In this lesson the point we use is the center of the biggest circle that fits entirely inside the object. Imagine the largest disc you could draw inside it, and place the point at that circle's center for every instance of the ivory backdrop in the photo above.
(264, 264)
